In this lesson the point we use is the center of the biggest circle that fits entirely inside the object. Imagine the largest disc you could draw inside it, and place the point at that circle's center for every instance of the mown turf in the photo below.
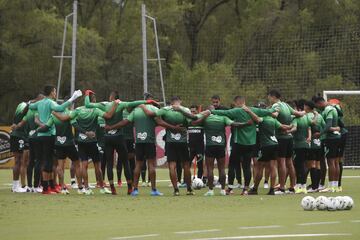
(34, 216)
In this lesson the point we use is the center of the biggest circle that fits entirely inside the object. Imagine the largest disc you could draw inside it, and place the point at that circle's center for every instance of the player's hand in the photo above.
(90, 134)
(246, 109)
(117, 101)
(308, 140)
(89, 92)
(107, 127)
(250, 122)
(13, 127)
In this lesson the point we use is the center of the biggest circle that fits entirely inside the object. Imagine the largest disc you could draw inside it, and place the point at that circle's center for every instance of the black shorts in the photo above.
(88, 151)
(315, 154)
(285, 147)
(342, 144)
(268, 153)
(177, 152)
(130, 145)
(215, 151)
(240, 153)
(196, 150)
(63, 152)
(255, 151)
(332, 148)
(17, 145)
(145, 151)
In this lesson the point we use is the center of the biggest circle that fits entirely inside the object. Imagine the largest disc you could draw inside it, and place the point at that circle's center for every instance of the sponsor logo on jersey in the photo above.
(176, 136)
(142, 136)
(112, 132)
(217, 139)
(61, 140)
(82, 136)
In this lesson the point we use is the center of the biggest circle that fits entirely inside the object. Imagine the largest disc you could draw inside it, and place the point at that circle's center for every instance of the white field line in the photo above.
(317, 223)
(198, 231)
(135, 236)
(261, 227)
(277, 236)
(355, 221)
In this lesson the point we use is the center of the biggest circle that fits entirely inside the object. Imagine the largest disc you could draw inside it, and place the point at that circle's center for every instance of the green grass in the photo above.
(35, 216)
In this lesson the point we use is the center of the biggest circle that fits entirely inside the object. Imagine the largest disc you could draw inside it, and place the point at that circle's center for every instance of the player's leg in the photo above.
(210, 168)
(231, 171)
(179, 170)
(341, 158)
(95, 156)
(267, 177)
(23, 169)
(122, 157)
(143, 174)
(31, 166)
(183, 153)
(48, 156)
(281, 164)
(290, 165)
(109, 155)
(300, 159)
(140, 160)
(17, 149)
(119, 168)
(246, 166)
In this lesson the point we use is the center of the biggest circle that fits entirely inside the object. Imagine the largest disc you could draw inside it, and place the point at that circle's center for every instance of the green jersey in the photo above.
(144, 125)
(64, 133)
(267, 131)
(19, 115)
(316, 128)
(341, 122)
(87, 119)
(100, 132)
(169, 115)
(284, 117)
(245, 135)
(331, 117)
(214, 127)
(44, 108)
(118, 115)
(302, 126)
(30, 123)
(128, 129)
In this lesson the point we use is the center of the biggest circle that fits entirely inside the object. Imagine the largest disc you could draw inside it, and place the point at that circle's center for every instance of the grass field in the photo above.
(35, 216)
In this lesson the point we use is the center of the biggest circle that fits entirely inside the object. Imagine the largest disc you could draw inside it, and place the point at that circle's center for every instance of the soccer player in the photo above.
(45, 146)
(285, 151)
(196, 145)
(268, 150)
(216, 103)
(114, 139)
(214, 126)
(301, 129)
(245, 137)
(316, 151)
(332, 142)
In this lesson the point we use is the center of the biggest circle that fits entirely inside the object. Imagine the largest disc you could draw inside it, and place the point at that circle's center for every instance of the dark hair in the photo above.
(194, 106)
(239, 98)
(318, 99)
(147, 96)
(215, 97)
(310, 104)
(48, 89)
(175, 98)
(300, 104)
(274, 93)
(115, 94)
(261, 105)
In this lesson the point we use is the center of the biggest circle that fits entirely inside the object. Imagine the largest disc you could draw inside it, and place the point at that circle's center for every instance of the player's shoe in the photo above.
(65, 191)
(311, 190)
(271, 192)
(217, 185)
(129, 191)
(209, 193)
(81, 191)
(134, 193)
(190, 192)
(338, 189)
(299, 190)
(55, 190)
(58, 188)
(223, 192)
(48, 192)
(280, 192)
(148, 184)
(253, 191)
(176, 193)
(182, 185)
(156, 193)
(89, 191)
(119, 183)
(321, 187)
(266, 185)
(290, 191)
(74, 185)
(27, 189)
(19, 189)
(244, 192)
(113, 190)
(327, 190)
(38, 190)
(229, 192)
(143, 184)
(105, 190)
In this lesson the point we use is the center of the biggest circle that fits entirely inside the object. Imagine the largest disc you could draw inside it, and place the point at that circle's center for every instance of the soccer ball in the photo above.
(216, 180)
(197, 183)
(342, 203)
(349, 203)
(308, 203)
(321, 203)
(333, 204)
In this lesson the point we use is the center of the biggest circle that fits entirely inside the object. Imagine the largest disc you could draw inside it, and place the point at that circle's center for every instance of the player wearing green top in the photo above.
(316, 151)
(285, 162)
(301, 129)
(214, 127)
(245, 137)
(145, 148)
(332, 138)
(268, 153)
(46, 139)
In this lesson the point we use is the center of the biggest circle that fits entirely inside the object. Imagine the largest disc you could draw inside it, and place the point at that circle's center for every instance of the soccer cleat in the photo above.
(74, 185)
(55, 190)
(58, 188)
(81, 191)
(223, 192)
(105, 191)
(176, 193)
(253, 191)
(327, 190)
(88, 192)
(156, 193)
(65, 191)
(148, 184)
(271, 192)
(27, 189)
(209, 193)
(190, 192)
(119, 183)
(244, 192)
(20, 190)
(134, 193)
(311, 190)
(129, 191)
(38, 190)
(229, 192)
(182, 185)
(299, 190)
(279, 192)
(290, 191)
(266, 185)
(113, 190)
(339, 189)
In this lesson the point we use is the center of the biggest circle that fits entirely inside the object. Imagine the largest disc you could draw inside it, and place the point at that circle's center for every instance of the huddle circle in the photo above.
(322, 203)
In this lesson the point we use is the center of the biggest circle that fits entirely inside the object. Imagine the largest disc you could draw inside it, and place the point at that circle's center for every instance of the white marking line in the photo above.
(355, 221)
(135, 236)
(277, 236)
(259, 227)
(317, 223)
(198, 231)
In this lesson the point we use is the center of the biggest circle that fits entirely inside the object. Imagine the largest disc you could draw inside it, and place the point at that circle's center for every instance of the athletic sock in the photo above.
(341, 171)
(318, 176)
(176, 189)
(313, 177)
(129, 185)
(51, 183)
(112, 186)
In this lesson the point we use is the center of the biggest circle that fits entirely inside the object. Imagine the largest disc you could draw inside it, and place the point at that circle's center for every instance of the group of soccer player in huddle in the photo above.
(286, 140)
